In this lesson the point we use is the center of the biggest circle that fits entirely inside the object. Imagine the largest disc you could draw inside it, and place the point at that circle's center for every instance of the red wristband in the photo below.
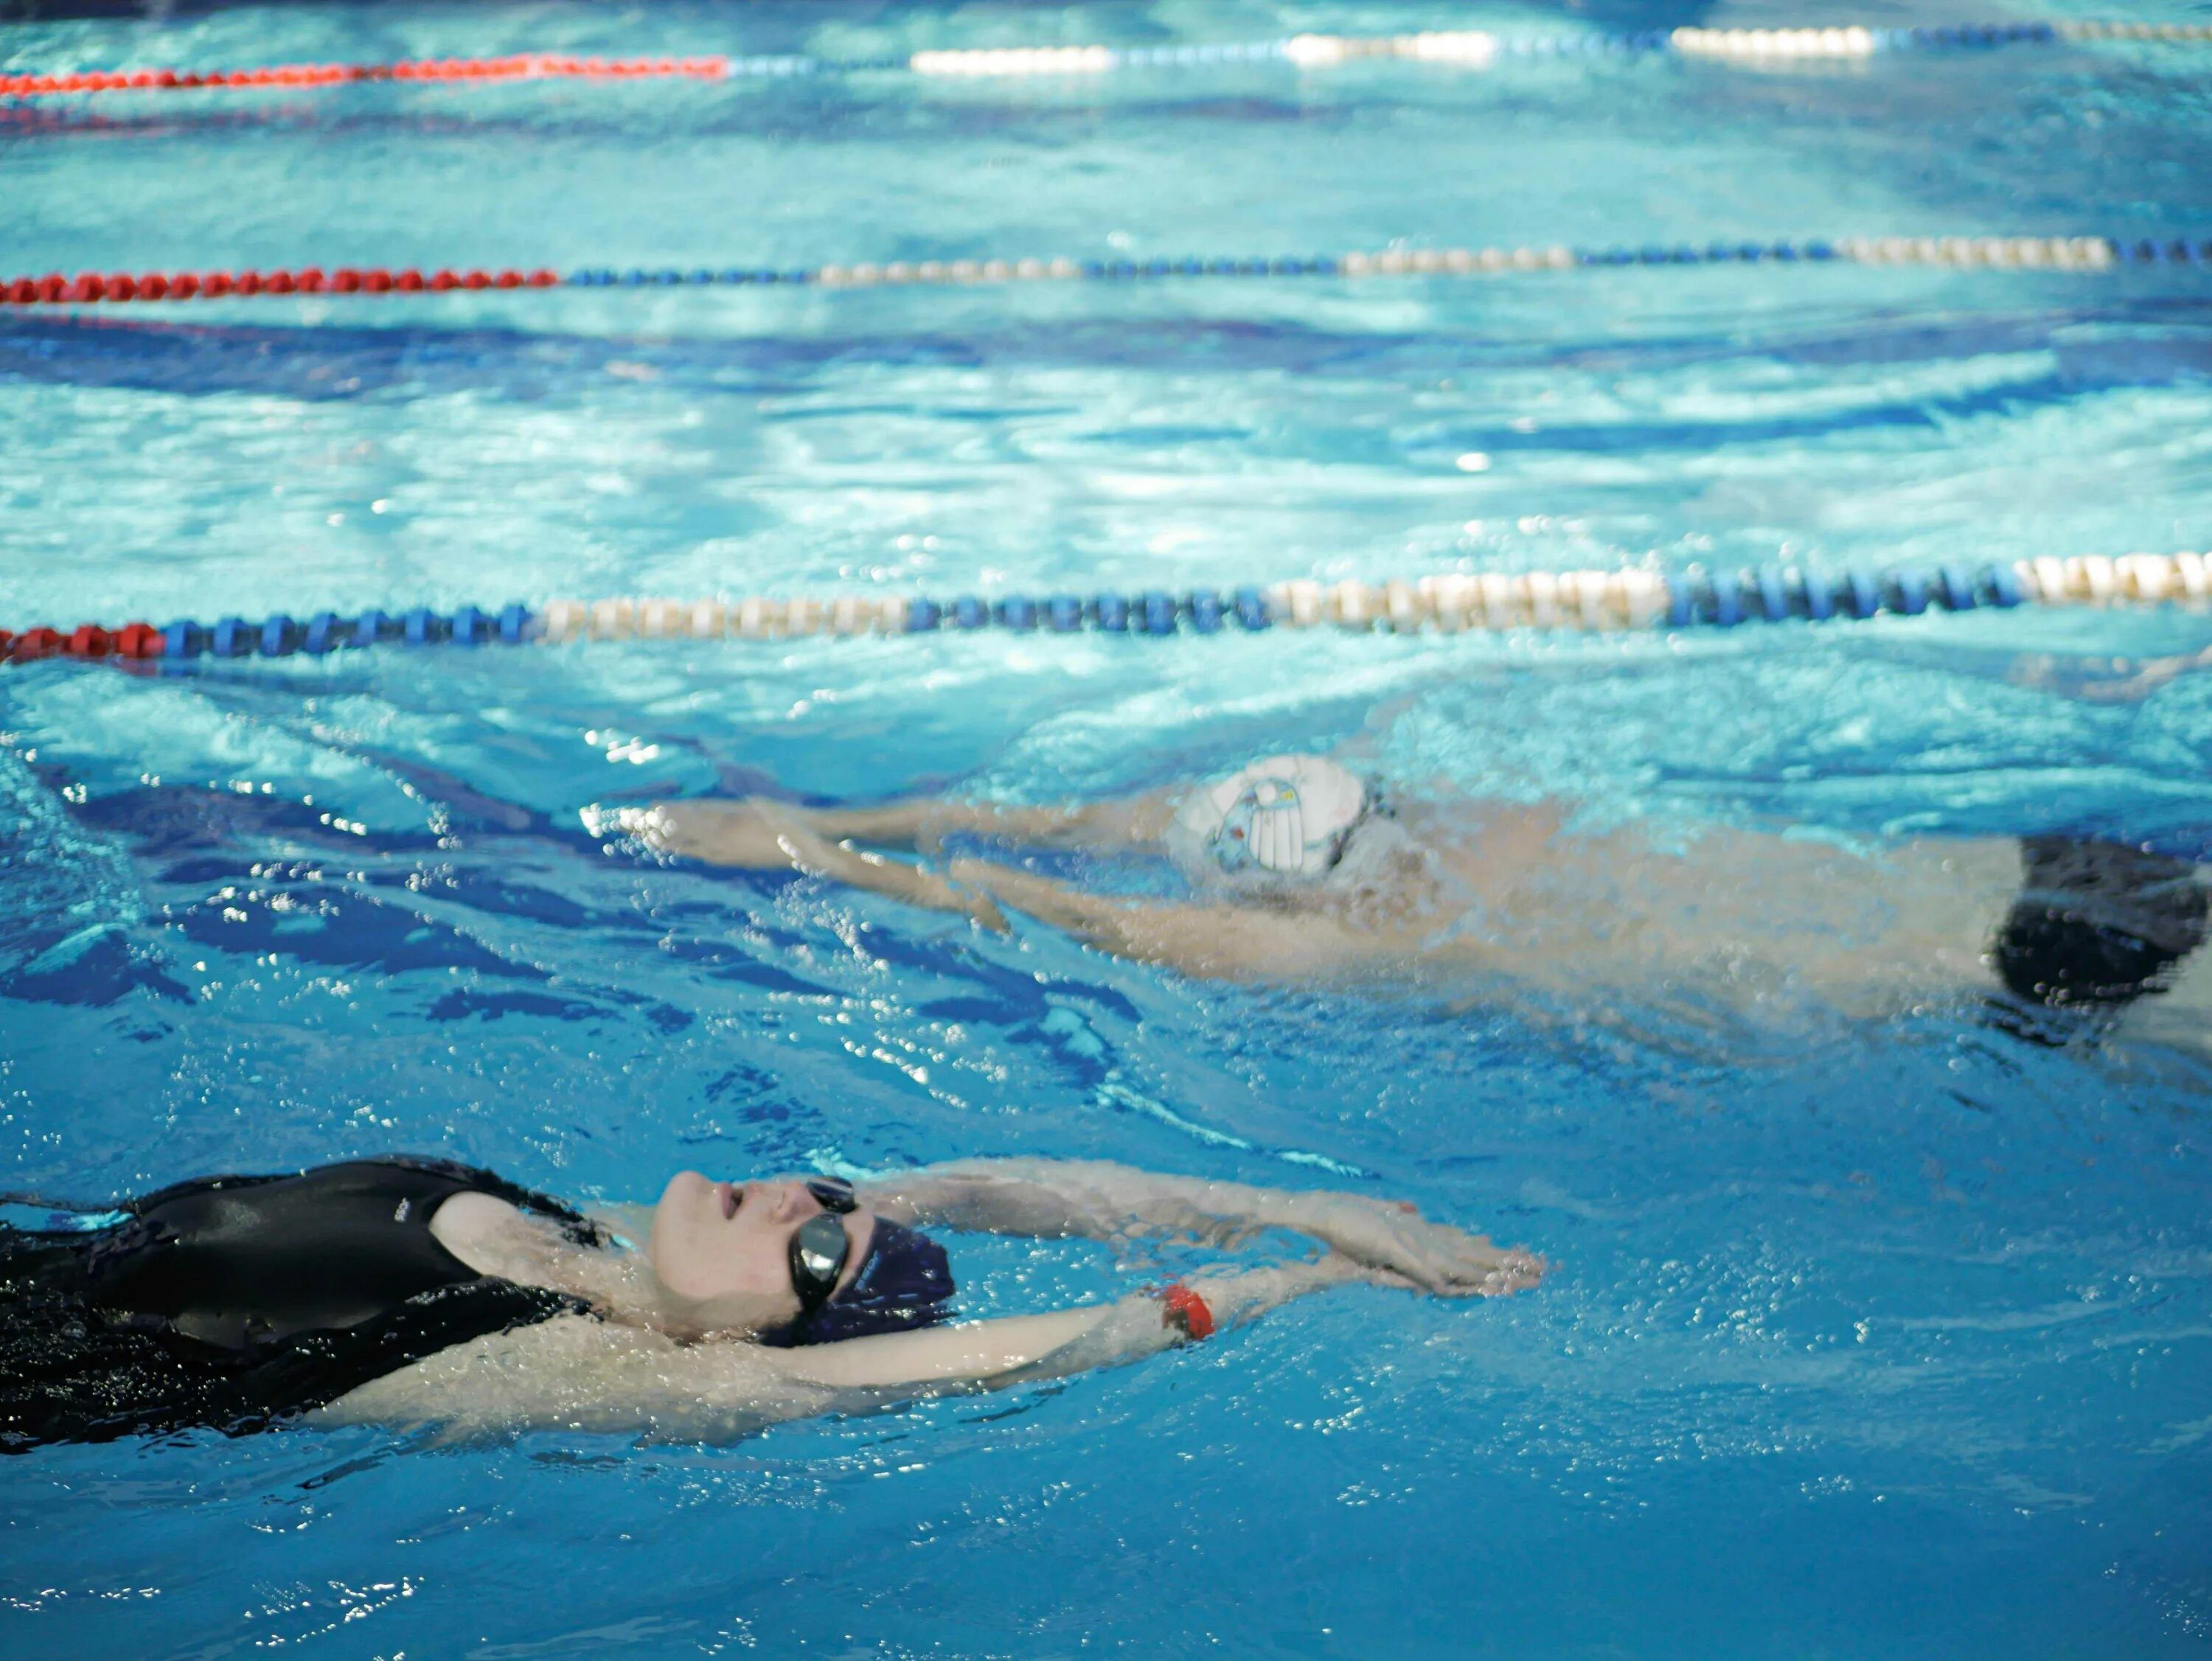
(1186, 1310)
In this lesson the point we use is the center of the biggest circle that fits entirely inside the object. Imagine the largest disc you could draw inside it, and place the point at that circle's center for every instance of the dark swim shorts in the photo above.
(2097, 924)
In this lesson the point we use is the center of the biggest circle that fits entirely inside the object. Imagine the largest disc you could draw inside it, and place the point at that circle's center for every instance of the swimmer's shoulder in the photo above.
(495, 1238)
(483, 1231)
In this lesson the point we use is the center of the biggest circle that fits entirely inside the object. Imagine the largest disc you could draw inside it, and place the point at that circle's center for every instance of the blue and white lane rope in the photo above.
(1460, 48)
(2075, 254)
(1584, 600)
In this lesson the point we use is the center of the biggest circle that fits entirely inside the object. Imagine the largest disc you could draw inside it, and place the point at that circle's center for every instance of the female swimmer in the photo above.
(413, 1291)
(1297, 869)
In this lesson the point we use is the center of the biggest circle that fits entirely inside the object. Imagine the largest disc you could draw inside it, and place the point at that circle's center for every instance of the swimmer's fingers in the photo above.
(1468, 1265)
(1425, 1254)
(1376, 1274)
(1497, 1285)
(1483, 1271)
(1440, 1260)
(976, 873)
(1025, 891)
(644, 824)
(1516, 1271)
(812, 853)
(738, 833)
(955, 891)
(980, 906)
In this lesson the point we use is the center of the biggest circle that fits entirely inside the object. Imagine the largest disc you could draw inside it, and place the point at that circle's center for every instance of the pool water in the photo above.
(1875, 1339)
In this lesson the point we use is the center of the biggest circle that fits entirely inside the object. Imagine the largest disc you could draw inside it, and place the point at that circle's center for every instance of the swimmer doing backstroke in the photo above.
(420, 1291)
(1296, 869)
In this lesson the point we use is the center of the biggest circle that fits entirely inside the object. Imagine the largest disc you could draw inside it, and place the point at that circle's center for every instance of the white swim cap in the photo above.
(1287, 816)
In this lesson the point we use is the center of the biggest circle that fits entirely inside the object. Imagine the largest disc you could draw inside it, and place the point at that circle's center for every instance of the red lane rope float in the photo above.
(526, 66)
(87, 287)
(136, 640)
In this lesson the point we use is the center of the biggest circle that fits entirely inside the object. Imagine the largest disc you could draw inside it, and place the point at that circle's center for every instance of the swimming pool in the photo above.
(1866, 1339)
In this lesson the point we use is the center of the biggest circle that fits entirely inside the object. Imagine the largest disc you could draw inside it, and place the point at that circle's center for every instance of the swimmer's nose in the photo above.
(793, 1202)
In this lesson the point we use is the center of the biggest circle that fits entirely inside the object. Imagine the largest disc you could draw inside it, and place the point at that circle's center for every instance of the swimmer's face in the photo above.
(724, 1248)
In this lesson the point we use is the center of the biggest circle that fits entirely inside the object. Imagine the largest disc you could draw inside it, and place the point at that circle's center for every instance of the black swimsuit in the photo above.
(237, 1301)
(2098, 923)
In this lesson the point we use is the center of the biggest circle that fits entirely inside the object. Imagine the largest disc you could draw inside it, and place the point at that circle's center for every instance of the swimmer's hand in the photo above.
(757, 834)
(747, 833)
(1397, 1241)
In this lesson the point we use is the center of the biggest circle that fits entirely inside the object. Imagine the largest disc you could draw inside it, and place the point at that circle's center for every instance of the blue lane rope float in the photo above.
(2018, 253)
(1461, 48)
(1584, 600)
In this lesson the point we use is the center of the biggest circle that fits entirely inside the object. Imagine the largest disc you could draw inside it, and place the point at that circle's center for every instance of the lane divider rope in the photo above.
(1466, 48)
(2023, 253)
(1584, 600)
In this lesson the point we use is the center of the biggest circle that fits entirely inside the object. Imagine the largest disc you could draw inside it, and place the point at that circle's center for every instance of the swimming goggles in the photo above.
(821, 1246)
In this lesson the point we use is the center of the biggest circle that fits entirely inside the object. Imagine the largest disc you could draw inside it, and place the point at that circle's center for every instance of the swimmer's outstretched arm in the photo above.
(1213, 941)
(2105, 679)
(1093, 1199)
(924, 822)
(1023, 1349)
(577, 1374)
(756, 835)
(746, 831)
(1217, 942)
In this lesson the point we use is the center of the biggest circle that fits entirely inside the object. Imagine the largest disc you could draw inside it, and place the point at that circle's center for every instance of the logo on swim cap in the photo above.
(1287, 816)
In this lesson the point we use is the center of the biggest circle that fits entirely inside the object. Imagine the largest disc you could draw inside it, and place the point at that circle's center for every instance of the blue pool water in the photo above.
(1866, 1339)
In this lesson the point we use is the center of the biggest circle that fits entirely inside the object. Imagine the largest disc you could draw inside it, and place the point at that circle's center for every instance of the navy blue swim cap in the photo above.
(904, 1284)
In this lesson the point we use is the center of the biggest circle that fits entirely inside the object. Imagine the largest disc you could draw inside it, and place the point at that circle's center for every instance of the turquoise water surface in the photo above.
(1866, 1339)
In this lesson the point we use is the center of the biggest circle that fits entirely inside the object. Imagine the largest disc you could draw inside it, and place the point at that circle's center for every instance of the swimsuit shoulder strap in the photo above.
(476, 1180)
